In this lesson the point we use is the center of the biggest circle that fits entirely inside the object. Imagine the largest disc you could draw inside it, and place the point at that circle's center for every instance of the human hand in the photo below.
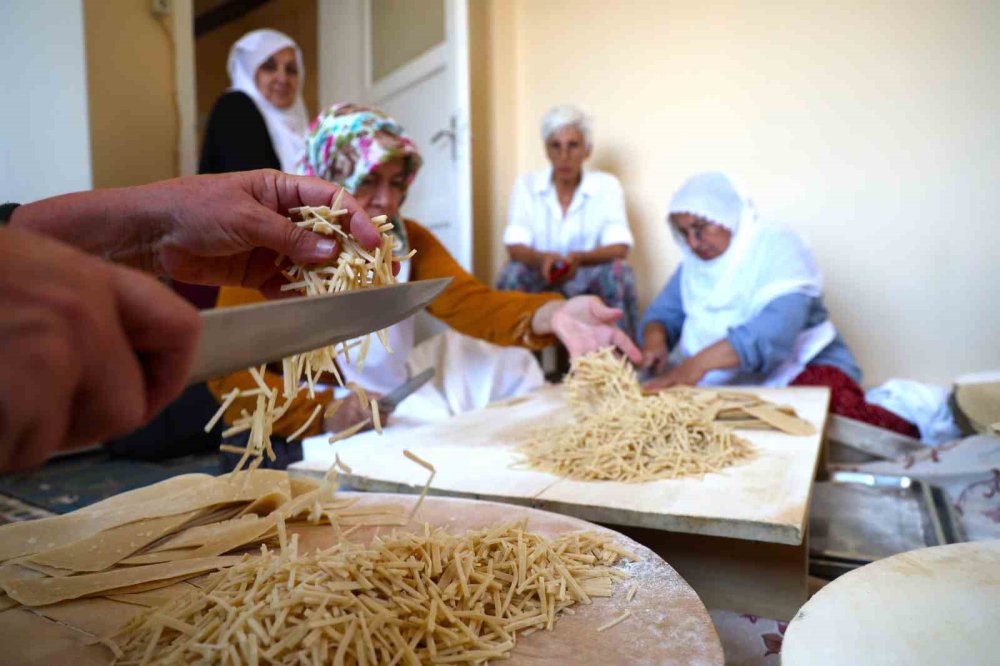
(225, 229)
(584, 324)
(88, 350)
(573, 261)
(351, 412)
(687, 373)
(547, 264)
(655, 353)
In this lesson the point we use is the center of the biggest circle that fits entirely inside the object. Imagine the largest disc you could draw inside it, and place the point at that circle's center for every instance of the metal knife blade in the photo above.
(239, 337)
(389, 401)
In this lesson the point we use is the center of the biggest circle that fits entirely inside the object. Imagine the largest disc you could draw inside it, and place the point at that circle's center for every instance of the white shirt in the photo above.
(595, 218)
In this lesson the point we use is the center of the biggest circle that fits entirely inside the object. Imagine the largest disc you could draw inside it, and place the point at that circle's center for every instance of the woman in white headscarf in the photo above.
(745, 306)
(261, 121)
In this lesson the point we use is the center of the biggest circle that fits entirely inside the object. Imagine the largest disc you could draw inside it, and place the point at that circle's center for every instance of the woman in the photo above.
(745, 306)
(370, 155)
(567, 229)
(261, 121)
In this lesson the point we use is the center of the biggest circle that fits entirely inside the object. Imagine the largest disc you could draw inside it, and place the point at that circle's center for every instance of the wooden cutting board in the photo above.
(936, 605)
(668, 623)
(474, 453)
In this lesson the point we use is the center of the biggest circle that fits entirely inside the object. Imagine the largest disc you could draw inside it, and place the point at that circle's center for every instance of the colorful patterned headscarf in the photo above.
(348, 141)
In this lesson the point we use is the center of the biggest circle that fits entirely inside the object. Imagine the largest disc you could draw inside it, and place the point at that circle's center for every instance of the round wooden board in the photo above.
(668, 622)
(928, 606)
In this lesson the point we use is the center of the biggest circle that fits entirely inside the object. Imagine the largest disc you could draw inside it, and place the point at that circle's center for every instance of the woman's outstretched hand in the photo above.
(584, 324)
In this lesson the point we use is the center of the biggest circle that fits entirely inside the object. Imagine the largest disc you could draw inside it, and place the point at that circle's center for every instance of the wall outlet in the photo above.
(161, 8)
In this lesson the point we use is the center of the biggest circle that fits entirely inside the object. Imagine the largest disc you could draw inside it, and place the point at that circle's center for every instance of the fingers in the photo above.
(163, 329)
(603, 313)
(278, 233)
(364, 231)
(620, 340)
(309, 191)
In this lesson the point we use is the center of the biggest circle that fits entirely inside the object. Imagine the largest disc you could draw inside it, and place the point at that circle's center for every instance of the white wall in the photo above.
(44, 128)
(340, 60)
(868, 126)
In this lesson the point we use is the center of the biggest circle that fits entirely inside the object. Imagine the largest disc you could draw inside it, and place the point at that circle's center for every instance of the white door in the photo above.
(416, 69)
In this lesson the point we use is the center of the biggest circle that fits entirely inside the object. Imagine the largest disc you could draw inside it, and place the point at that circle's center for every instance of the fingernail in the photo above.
(326, 247)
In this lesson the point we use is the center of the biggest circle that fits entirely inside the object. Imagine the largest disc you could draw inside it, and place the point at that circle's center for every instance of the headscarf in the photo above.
(285, 126)
(348, 141)
(763, 261)
(345, 143)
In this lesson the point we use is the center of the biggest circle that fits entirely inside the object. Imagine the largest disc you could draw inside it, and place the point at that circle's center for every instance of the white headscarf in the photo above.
(763, 261)
(286, 127)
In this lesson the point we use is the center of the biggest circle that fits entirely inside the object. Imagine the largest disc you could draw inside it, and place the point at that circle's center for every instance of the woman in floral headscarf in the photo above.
(372, 157)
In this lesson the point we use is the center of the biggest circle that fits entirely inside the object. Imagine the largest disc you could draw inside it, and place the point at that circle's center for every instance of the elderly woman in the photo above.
(261, 121)
(567, 229)
(745, 306)
(370, 155)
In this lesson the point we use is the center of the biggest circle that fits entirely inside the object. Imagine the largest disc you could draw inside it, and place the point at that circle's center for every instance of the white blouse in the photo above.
(595, 218)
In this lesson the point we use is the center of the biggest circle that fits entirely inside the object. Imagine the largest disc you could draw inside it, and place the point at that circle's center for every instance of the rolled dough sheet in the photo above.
(937, 605)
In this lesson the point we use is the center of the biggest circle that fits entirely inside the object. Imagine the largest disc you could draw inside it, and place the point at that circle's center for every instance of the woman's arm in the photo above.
(600, 255)
(757, 346)
(661, 324)
(583, 323)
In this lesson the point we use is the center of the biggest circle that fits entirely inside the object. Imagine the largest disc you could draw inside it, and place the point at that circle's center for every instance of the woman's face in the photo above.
(567, 152)
(278, 78)
(383, 190)
(706, 239)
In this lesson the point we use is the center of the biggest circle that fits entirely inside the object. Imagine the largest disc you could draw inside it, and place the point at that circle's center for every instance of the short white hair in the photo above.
(567, 116)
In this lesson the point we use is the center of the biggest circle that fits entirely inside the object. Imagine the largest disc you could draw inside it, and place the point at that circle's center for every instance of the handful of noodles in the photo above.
(619, 434)
(355, 268)
(426, 598)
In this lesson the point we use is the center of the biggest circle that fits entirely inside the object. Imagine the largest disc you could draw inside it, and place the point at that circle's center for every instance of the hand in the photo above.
(548, 259)
(225, 229)
(88, 350)
(573, 261)
(584, 324)
(687, 373)
(655, 355)
(655, 351)
(352, 412)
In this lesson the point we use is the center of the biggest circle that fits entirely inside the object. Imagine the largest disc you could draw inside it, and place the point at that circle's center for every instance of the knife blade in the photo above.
(240, 337)
(390, 400)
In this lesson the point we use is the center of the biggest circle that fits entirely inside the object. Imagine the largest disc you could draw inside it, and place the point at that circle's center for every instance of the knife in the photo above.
(390, 400)
(248, 335)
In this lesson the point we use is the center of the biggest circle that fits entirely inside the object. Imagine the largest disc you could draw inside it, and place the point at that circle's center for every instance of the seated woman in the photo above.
(567, 230)
(369, 154)
(745, 306)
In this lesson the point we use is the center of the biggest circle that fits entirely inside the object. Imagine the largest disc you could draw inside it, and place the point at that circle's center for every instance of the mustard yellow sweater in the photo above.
(467, 305)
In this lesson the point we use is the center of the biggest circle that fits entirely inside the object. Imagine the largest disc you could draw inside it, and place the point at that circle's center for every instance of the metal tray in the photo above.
(857, 518)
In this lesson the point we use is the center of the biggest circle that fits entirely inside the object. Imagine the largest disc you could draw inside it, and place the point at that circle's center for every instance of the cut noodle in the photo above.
(355, 268)
(619, 434)
(424, 598)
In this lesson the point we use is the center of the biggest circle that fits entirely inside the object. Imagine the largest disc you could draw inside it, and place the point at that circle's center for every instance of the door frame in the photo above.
(454, 50)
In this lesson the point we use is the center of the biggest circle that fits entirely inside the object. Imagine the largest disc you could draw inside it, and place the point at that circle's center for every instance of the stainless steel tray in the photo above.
(858, 518)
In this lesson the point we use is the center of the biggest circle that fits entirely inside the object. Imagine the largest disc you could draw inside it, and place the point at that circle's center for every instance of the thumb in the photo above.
(280, 234)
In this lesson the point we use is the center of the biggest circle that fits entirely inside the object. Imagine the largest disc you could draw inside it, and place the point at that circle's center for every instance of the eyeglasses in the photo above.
(291, 69)
(696, 230)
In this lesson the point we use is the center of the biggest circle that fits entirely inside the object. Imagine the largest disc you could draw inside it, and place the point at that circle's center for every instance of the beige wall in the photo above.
(131, 99)
(869, 127)
(295, 18)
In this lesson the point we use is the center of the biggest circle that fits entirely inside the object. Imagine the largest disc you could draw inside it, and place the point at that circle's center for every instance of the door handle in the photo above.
(449, 134)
